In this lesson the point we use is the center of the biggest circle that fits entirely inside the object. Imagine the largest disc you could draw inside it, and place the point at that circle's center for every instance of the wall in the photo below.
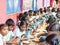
(3, 15)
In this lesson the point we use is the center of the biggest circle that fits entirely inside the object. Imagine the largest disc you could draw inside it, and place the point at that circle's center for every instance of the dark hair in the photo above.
(2, 26)
(21, 15)
(10, 22)
(41, 11)
(53, 27)
(58, 10)
(48, 8)
(45, 9)
(52, 39)
(53, 9)
(30, 11)
(22, 23)
(35, 12)
(30, 14)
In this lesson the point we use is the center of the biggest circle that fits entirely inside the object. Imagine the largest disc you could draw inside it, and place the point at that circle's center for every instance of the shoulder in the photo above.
(16, 29)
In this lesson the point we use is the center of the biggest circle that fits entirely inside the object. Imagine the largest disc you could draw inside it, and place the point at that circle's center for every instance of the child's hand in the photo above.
(24, 39)
(33, 33)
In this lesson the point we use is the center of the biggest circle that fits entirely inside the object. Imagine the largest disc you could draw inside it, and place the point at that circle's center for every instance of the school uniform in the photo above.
(9, 36)
(2, 40)
(32, 18)
(19, 33)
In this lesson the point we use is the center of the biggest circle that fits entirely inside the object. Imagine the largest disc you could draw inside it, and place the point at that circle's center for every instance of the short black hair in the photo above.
(58, 10)
(41, 10)
(26, 14)
(2, 26)
(22, 23)
(50, 38)
(45, 9)
(10, 22)
(30, 11)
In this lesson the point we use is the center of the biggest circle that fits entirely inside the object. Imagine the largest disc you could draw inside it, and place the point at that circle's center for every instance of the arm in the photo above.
(13, 41)
(23, 39)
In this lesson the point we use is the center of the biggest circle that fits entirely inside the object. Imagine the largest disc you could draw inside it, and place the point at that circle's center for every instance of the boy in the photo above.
(10, 38)
(3, 32)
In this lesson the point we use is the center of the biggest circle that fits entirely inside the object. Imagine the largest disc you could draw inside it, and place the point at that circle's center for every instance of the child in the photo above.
(53, 39)
(31, 11)
(20, 31)
(3, 32)
(44, 10)
(53, 34)
(10, 36)
(21, 15)
(41, 11)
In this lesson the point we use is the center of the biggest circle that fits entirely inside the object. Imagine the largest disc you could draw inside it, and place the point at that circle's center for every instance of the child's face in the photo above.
(38, 13)
(11, 27)
(28, 16)
(32, 13)
(4, 31)
(23, 27)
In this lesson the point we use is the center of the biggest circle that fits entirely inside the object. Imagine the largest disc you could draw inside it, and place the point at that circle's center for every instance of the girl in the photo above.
(20, 31)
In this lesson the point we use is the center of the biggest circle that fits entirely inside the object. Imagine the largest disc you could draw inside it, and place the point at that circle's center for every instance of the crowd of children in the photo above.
(46, 21)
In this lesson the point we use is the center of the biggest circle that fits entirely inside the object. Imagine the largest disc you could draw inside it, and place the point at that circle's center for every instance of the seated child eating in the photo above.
(20, 31)
(53, 37)
(10, 37)
(3, 32)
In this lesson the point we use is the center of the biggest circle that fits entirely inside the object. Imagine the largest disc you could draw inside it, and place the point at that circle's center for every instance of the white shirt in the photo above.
(32, 17)
(37, 17)
(18, 32)
(59, 22)
(1, 39)
(53, 13)
(9, 36)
